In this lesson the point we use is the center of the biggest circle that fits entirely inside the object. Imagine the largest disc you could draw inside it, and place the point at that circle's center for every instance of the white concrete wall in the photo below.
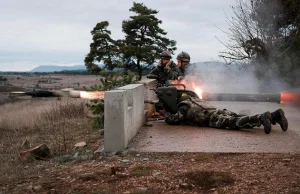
(149, 95)
(123, 116)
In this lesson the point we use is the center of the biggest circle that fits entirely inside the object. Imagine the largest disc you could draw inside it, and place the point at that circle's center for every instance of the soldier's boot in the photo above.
(265, 120)
(278, 116)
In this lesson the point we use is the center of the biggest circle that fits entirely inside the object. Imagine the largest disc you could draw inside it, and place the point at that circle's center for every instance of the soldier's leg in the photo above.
(227, 119)
(214, 117)
(251, 121)
(223, 119)
(256, 120)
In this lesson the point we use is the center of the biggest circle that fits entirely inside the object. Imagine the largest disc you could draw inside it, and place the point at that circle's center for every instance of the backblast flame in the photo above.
(91, 95)
(190, 86)
(198, 91)
(290, 98)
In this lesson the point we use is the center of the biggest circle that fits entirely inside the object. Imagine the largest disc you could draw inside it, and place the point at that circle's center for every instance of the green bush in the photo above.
(110, 80)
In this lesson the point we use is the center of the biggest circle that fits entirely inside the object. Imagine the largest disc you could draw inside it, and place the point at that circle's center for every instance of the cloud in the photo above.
(64, 26)
(17, 66)
(29, 65)
(23, 35)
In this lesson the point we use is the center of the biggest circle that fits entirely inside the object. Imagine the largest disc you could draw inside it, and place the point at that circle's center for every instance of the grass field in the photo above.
(60, 124)
(51, 81)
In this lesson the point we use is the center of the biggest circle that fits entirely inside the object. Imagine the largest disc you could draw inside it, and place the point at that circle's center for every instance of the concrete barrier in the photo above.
(149, 95)
(123, 116)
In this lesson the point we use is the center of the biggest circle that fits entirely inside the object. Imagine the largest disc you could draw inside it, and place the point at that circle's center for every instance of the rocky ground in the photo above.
(172, 172)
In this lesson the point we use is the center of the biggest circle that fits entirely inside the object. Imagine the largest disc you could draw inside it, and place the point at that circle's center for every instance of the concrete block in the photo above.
(149, 83)
(124, 116)
(149, 95)
(135, 114)
(115, 108)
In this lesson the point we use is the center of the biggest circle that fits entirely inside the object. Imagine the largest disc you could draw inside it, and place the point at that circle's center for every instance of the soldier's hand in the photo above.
(169, 63)
(159, 63)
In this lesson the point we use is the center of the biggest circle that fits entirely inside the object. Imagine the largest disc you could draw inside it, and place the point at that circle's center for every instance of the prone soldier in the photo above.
(184, 108)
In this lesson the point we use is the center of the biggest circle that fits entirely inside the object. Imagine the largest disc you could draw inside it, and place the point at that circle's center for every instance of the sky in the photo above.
(57, 32)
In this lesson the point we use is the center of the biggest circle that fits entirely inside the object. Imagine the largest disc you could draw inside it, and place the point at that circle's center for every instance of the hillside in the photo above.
(53, 68)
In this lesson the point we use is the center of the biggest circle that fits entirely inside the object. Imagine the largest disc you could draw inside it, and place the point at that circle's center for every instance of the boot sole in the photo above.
(283, 122)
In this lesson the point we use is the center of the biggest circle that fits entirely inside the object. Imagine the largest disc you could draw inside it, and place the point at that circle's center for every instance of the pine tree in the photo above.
(103, 49)
(144, 39)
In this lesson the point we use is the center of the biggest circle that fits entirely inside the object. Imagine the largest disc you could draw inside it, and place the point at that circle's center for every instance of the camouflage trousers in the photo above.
(226, 119)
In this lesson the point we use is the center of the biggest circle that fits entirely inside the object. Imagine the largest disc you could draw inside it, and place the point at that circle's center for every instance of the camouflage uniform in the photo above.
(193, 111)
(163, 73)
(181, 72)
(183, 57)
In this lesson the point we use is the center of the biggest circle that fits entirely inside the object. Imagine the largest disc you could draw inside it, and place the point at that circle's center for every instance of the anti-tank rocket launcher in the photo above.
(168, 97)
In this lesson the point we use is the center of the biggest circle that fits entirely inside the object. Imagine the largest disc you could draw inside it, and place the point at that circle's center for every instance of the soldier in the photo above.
(193, 111)
(165, 70)
(183, 59)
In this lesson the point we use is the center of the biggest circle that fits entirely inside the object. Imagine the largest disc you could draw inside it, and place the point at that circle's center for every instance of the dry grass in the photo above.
(59, 124)
(56, 81)
(142, 170)
(89, 176)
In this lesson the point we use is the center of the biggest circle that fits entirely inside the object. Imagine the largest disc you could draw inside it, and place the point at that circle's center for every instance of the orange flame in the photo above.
(189, 86)
(198, 91)
(289, 98)
(91, 95)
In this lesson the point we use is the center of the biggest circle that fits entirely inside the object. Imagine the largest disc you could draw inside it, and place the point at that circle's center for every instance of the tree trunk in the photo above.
(139, 69)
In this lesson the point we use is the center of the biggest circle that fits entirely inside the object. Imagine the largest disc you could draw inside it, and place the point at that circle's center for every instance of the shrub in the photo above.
(109, 81)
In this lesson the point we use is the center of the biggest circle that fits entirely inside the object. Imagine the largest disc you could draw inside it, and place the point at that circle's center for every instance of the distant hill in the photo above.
(53, 68)
(204, 66)
(210, 65)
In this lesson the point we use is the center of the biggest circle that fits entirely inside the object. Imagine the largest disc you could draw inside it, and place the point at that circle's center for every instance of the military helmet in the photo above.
(183, 56)
(165, 55)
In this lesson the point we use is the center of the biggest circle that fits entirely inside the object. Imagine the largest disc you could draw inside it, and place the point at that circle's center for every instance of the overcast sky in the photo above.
(57, 32)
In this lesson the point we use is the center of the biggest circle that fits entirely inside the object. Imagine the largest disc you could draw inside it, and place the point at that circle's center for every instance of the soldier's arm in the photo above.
(172, 71)
(153, 73)
(177, 118)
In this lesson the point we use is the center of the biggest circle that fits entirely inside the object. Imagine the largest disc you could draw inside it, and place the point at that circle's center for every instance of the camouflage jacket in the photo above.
(181, 72)
(192, 111)
(165, 73)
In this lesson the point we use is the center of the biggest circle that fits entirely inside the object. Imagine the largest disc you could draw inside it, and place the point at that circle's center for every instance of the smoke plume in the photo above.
(217, 77)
